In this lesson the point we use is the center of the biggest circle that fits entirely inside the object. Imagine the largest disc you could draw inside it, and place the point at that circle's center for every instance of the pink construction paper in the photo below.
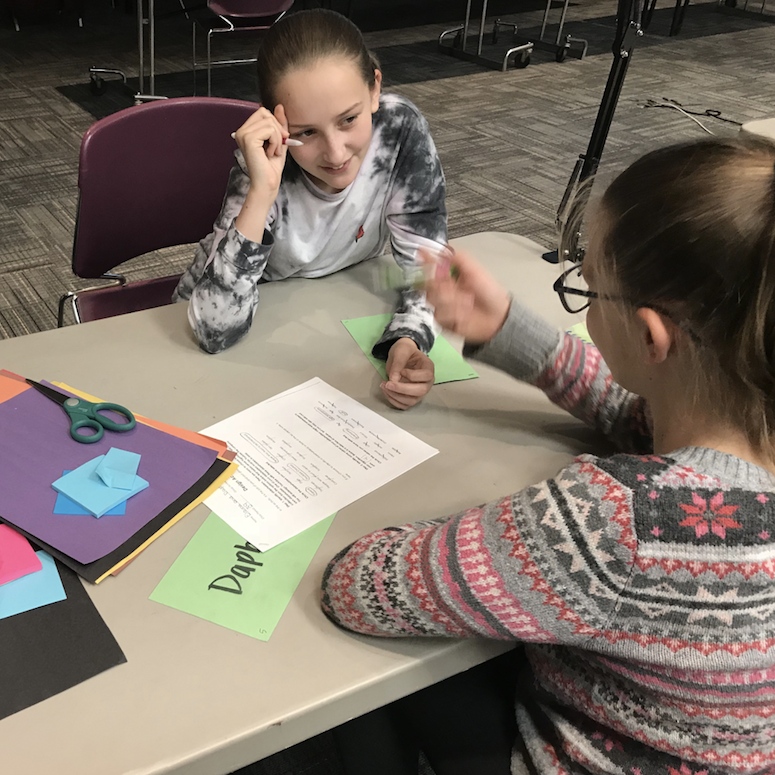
(17, 557)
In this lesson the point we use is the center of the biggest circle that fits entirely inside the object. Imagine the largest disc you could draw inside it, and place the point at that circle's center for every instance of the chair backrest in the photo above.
(152, 176)
(250, 9)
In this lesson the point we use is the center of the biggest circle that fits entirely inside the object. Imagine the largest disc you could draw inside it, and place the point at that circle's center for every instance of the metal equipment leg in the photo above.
(520, 54)
(678, 16)
(628, 30)
(561, 48)
(733, 8)
(97, 83)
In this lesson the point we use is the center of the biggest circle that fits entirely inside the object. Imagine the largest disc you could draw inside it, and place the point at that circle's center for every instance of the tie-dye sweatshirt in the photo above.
(642, 585)
(397, 195)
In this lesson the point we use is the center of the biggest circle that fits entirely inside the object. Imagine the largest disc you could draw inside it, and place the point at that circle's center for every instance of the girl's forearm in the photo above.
(252, 218)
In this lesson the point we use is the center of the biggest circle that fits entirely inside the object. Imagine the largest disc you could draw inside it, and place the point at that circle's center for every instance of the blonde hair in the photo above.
(690, 232)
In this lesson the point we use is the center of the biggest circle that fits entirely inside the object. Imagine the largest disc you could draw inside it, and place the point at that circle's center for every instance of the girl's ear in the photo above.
(658, 333)
(375, 91)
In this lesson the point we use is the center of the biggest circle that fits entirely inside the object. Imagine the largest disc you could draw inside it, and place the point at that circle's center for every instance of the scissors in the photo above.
(84, 414)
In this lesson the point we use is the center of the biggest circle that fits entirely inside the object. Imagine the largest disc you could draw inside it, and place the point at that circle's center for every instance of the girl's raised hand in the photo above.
(260, 139)
(467, 300)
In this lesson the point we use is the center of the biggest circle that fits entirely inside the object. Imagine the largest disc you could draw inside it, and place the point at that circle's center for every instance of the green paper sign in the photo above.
(224, 579)
(580, 330)
(448, 362)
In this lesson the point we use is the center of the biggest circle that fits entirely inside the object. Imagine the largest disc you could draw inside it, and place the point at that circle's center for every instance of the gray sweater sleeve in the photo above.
(571, 373)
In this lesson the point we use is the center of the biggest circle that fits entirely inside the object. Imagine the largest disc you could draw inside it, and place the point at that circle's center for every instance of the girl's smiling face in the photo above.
(328, 107)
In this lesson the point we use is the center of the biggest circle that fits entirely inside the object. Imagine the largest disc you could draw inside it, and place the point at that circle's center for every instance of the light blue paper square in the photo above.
(64, 505)
(33, 590)
(85, 487)
(118, 469)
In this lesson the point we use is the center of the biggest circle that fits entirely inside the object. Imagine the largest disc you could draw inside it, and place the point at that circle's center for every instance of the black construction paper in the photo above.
(50, 649)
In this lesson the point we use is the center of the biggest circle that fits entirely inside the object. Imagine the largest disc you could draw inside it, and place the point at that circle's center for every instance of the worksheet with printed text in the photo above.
(303, 455)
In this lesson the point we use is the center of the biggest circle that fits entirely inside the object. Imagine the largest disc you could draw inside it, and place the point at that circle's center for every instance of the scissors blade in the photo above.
(54, 395)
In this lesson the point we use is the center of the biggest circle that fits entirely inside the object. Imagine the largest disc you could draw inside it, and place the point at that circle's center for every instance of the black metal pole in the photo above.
(605, 116)
(628, 30)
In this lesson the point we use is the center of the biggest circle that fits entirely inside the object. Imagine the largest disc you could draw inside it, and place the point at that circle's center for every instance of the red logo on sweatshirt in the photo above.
(359, 234)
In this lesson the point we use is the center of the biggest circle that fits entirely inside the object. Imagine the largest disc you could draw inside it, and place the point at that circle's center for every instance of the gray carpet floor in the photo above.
(508, 141)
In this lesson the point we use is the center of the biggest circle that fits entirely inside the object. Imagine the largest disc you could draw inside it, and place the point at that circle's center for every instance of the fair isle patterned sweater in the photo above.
(642, 585)
(398, 195)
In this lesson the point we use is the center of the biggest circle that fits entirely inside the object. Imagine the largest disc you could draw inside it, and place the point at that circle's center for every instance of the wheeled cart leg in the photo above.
(562, 48)
(97, 83)
(454, 41)
(519, 55)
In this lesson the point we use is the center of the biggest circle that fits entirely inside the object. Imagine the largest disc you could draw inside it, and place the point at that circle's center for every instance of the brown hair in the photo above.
(301, 39)
(690, 230)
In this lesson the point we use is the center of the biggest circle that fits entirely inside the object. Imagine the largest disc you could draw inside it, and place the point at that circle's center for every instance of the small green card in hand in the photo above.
(448, 362)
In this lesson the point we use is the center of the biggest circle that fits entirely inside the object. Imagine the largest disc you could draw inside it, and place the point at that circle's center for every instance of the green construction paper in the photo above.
(265, 589)
(448, 362)
(580, 330)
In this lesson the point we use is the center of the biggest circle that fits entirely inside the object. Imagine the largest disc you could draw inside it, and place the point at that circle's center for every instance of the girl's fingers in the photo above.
(254, 119)
(445, 298)
(417, 375)
(267, 135)
(279, 114)
(407, 389)
(464, 311)
(399, 401)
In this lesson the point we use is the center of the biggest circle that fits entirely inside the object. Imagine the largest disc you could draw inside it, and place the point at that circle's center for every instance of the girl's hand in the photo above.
(466, 298)
(410, 374)
(260, 139)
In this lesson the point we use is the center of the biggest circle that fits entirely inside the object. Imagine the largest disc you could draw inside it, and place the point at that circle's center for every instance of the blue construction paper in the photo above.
(85, 487)
(119, 468)
(65, 505)
(32, 591)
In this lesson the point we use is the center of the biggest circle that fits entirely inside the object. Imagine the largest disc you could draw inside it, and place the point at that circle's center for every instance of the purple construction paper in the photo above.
(35, 446)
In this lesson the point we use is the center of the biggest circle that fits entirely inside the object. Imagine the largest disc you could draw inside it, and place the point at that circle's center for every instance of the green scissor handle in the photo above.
(84, 414)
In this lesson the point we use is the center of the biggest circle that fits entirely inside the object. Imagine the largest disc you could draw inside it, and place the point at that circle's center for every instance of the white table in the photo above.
(199, 699)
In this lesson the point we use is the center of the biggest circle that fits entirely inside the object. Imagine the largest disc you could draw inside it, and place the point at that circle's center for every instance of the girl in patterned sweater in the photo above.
(643, 583)
(367, 172)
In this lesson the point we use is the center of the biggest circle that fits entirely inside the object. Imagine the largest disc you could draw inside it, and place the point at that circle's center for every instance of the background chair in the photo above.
(149, 177)
(238, 17)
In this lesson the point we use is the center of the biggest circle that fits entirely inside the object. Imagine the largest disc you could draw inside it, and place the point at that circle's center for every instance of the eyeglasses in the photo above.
(576, 297)
(572, 290)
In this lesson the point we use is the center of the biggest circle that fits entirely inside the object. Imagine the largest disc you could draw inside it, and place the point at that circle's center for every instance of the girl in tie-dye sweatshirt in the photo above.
(367, 172)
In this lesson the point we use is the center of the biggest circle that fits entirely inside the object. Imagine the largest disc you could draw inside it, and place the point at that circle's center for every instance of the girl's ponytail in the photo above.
(691, 230)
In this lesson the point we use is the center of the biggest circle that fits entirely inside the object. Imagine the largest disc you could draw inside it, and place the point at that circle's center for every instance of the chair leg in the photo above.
(193, 53)
(72, 297)
(209, 68)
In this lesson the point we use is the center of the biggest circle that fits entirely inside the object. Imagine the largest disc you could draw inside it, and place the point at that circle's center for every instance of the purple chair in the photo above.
(238, 17)
(149, 177)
